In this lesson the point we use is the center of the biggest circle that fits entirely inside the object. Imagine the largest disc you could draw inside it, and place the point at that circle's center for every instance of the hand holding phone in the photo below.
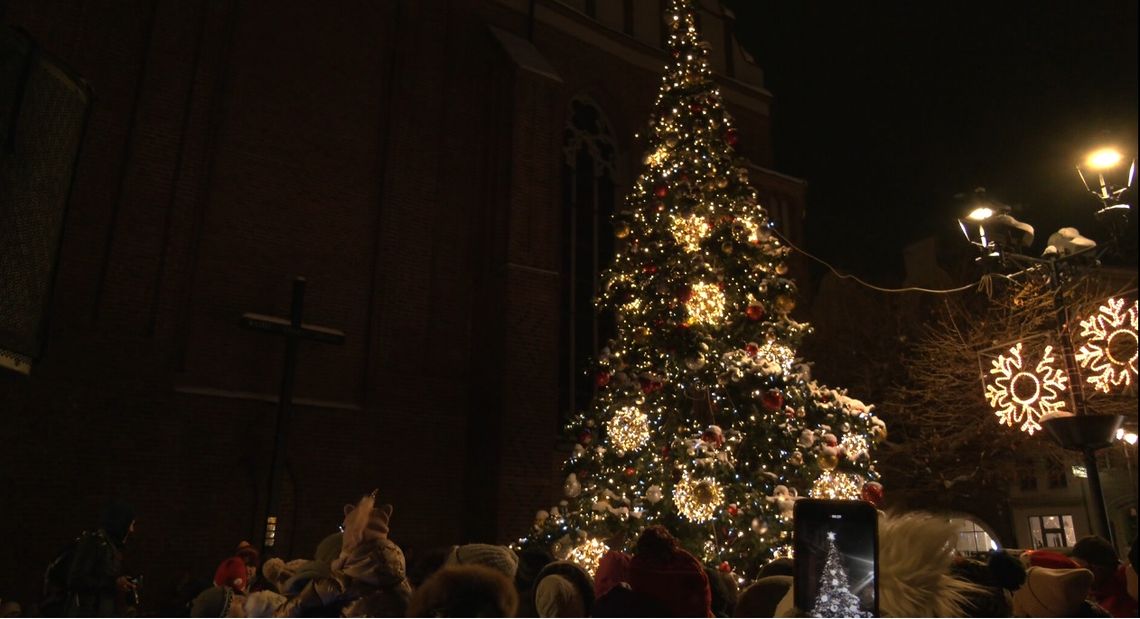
(836, 547)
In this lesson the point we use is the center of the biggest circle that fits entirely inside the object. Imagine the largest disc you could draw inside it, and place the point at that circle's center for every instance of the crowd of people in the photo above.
(360, 572)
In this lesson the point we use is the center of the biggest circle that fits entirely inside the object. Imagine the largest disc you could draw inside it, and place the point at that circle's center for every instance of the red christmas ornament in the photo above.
(585, 437)
(731, 137)
(873, 493)
(772, 400)
(733, 510)
(713, 438)
(602, 379)
(630, 471)
(649, 385)
(650, 268)
(751, 349)
(661, 191)
(754, 312)
(696, 108)
(725, 567)
(830, 440)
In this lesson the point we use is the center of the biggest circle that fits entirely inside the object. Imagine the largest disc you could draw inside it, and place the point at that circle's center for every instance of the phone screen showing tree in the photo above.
(836, 558)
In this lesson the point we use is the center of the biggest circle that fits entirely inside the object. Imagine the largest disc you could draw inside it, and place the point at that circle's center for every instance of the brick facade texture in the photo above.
(394, 154)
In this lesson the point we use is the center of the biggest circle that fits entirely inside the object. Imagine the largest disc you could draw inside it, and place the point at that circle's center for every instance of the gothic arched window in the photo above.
(588, 195)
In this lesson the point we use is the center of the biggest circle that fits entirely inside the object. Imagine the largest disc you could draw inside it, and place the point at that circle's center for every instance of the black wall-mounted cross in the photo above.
(293, 330)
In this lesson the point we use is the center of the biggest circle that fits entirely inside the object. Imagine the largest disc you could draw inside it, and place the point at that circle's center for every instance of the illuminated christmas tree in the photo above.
(704, 419)
(834, 598)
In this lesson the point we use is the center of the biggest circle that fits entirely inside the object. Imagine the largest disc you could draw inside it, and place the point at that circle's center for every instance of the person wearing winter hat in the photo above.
(724, 592)
(1047, 558)
(95, 576)
(562, 589)
(761, 597)
(252, 558)
(465, 591)
(661, 569)
(531, 562)
(1049, 592)
(368, 578)
(1110, 583)
(232, 573)
(218, 602)
(613, 569)
(495, 557)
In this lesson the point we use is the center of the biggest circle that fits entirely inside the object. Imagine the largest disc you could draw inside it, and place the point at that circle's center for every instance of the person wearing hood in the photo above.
(663, 571)
(368, 578)
(562, 589)
(95, 577)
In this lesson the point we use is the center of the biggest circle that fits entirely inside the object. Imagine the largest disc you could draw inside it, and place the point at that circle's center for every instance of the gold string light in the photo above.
(706, 305)
(835, 485)
(690, 231)
(628, 429)
(588, 555)
(697, 499)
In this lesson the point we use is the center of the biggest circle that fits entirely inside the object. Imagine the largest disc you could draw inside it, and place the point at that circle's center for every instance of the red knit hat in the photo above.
(1050, 559)
(231, 573)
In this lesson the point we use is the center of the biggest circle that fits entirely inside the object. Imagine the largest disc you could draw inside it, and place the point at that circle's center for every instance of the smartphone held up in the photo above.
(837, 558)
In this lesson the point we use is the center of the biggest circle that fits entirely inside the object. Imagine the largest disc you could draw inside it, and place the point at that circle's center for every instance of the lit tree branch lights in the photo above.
(1022, 393)
(1108, 354)
(702, 419)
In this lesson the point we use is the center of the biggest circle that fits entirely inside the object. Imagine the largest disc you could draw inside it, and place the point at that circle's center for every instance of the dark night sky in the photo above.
(890, 108)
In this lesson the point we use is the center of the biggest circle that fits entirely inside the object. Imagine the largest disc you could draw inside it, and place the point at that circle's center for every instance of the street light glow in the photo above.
(981, 213)
(1104, 158)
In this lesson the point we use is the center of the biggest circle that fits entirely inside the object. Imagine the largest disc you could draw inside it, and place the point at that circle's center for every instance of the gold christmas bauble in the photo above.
(722, 182)
(621, 230)
(785, 303)
(782, 268)
(704, 493)
(671, 142)
(727, 247)
(828, 462)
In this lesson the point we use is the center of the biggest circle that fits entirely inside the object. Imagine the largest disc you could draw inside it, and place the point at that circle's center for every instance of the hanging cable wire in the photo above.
(984, 284)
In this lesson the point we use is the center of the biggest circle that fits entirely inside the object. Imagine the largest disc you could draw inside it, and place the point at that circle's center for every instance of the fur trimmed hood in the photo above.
(916, 552)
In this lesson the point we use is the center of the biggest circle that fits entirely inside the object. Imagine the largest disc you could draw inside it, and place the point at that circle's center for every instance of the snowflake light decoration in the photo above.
(1109, 350)
(1023, 394)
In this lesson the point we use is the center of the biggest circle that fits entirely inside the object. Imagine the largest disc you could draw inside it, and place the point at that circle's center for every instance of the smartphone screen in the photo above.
(836, 548)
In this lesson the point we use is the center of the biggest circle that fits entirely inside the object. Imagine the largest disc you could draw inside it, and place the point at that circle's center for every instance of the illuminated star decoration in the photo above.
(1023, 395)
(1109, 352)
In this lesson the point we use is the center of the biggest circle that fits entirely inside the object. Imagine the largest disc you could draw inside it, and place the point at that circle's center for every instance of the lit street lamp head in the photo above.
(1103, 159)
